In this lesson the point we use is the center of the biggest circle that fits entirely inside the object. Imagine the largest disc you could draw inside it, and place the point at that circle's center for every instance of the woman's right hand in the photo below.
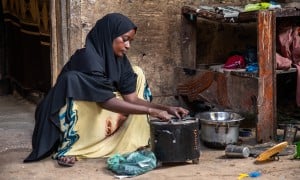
(160, 114)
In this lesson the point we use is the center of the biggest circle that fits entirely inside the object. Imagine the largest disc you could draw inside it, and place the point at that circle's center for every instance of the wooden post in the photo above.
(266, 102)
(188, 40)
(59, 37)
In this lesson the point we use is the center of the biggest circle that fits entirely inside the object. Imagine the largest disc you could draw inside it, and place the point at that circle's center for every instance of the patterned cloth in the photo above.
(91, 131)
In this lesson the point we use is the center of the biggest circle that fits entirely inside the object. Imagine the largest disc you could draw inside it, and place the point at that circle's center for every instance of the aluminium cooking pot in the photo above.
(219, 128)
(176, 140)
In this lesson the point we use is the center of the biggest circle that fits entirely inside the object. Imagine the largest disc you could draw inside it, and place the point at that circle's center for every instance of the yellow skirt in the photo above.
(96, 132)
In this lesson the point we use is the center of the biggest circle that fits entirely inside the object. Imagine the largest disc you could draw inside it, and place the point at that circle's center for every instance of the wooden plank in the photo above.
(59, 37)
(54, 43)
(249, 16)
(287, 12)
(188, 41)
(266, 102)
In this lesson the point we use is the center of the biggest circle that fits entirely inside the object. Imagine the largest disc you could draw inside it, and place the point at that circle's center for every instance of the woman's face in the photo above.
(121, 44)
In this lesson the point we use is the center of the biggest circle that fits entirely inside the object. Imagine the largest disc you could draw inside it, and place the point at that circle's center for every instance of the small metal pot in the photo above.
(219, 129)
(176, 140)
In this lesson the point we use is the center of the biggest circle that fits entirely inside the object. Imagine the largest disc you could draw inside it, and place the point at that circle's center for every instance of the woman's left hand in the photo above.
(179, 112)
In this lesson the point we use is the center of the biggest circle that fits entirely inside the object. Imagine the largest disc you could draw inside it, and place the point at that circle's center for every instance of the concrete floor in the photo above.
(16, 126)
(16, 123)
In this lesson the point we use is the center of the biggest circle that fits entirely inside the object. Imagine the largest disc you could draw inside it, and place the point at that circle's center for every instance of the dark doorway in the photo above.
(25, 46)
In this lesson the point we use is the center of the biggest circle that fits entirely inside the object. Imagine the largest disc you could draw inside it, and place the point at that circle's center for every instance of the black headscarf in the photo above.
(93, 73)
(98, 56)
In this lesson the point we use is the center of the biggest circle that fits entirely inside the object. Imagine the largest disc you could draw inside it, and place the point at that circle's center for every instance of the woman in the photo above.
(96, 92)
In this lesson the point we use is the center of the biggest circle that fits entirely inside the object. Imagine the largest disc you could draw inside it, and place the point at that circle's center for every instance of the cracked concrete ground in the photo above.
(16, 125)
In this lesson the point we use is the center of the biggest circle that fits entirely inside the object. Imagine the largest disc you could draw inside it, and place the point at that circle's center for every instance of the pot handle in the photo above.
(218, 126)
(227, 128)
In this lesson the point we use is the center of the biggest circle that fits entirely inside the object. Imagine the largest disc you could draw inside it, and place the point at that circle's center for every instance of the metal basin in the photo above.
(219, 117)
(219, 129)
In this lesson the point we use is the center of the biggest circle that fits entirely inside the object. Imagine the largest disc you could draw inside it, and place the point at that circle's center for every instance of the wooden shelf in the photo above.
(193, 12)
(259, 88)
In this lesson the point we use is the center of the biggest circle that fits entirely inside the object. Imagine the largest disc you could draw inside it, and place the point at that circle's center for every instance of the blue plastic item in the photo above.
(253, 67)
(132, 164)
(254, 174)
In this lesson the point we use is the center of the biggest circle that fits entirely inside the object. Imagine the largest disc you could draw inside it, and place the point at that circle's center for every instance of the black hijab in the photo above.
(92, 74)
(98, 57)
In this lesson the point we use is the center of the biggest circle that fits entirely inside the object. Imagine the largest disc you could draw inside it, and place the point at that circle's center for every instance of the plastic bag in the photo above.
(132, 164)
(253, 67)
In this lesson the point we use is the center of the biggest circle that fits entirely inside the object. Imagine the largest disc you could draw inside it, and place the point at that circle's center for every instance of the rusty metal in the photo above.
(192, 88)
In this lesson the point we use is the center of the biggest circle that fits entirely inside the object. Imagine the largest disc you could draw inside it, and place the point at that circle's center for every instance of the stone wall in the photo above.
(156, 47)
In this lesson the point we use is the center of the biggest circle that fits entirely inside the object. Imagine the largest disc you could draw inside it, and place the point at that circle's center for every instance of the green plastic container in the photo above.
(297, 155)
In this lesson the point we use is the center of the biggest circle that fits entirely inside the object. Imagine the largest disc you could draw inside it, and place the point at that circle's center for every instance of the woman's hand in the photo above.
(179, 112)
(160, 114)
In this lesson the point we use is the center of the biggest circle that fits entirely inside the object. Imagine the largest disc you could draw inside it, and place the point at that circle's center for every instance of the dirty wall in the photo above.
(156, 47)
